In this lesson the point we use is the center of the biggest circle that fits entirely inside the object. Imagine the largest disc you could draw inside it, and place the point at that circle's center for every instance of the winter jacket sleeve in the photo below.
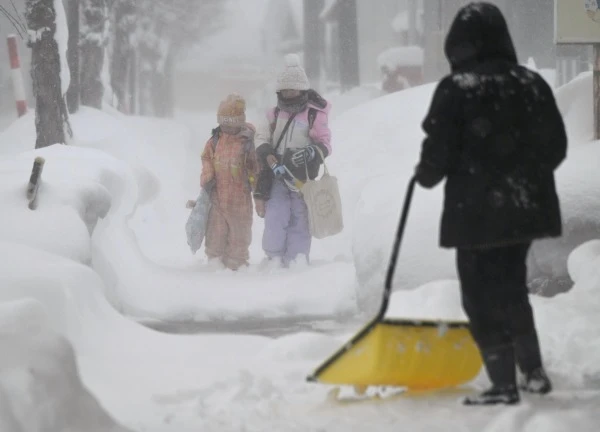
(321, 134)
(252, 165)
(208, 168)
(262, 140)
(252, 168)
(551, 129)
(441, 129)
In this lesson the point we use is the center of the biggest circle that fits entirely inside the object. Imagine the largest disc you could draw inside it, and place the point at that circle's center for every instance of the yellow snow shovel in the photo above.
(418, 355)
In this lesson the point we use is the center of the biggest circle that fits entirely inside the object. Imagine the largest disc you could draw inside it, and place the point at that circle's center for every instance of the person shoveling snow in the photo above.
(495, 132)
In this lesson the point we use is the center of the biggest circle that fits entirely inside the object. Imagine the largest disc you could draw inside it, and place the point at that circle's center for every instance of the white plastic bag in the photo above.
(195, 227)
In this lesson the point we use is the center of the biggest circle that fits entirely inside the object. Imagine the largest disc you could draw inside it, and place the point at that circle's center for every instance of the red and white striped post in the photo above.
(17, 77)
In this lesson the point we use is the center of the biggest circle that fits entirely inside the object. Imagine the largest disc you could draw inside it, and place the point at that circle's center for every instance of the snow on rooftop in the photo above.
(401, 56)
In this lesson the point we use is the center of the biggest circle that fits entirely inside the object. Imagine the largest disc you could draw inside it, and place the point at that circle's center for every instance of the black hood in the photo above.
(479, 33)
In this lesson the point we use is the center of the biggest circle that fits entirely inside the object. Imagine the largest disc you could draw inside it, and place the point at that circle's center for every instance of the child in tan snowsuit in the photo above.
(229, 168)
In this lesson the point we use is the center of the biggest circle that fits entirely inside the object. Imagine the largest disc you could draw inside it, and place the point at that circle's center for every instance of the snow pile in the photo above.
(374, 168)
(576, 105)
(439, 300)
(582, 259)
(347, 100)
(40, 387)
(57, 295)
(568, 323)
(71, 199)
(577, 182)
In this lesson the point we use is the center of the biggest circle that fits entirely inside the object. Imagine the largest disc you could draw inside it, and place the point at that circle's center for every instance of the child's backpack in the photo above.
(248, 145)
(216, 134)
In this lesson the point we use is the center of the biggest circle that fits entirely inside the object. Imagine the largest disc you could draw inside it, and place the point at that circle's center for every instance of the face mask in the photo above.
(231, 130)
(295, 104)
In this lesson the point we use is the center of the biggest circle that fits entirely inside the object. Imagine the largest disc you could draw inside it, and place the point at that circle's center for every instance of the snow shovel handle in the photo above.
(387, 292)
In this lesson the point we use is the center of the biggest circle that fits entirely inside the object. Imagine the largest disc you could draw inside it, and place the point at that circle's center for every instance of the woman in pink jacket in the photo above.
(291, 146)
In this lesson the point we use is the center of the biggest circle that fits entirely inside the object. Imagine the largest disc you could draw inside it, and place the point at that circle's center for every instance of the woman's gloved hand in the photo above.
(427, 176)
(301, 157)
(278, 170)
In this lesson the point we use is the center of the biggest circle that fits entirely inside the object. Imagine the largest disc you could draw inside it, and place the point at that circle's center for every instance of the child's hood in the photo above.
(315, 100)
(248, 131)
(321, 108)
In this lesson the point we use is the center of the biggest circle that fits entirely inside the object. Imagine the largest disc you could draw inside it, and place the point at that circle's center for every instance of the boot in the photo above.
(536, 382)
(234, 264)
(507, 395)
(500, 366)
(529, 359)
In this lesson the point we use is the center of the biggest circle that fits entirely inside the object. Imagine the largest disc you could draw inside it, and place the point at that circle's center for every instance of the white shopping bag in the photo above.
(324, 204)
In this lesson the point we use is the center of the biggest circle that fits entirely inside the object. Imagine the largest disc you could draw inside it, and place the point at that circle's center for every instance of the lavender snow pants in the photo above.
(286, 233)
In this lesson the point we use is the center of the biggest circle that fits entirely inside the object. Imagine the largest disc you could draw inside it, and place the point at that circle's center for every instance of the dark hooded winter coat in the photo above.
(495, 133)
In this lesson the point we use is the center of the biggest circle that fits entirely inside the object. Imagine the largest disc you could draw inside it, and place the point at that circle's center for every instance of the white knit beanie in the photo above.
(293, 77)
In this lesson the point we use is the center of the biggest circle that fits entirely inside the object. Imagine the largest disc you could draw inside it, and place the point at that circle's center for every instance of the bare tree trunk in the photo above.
(132, 86)
(93, 42)
(349, 57)
(163, 97)
(313, 40)
(72, 7)
(151, 60)
(123, 57)
(51, 110)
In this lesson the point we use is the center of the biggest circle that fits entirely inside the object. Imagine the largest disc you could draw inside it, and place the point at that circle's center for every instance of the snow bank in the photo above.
(581, 259)
(439, 300)
(576, 106)
(344, 101)
(568, 323)
(577, 182)
(57, 295)
(373, 170)
(375, 166)
(40, 387)
(71, 199)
